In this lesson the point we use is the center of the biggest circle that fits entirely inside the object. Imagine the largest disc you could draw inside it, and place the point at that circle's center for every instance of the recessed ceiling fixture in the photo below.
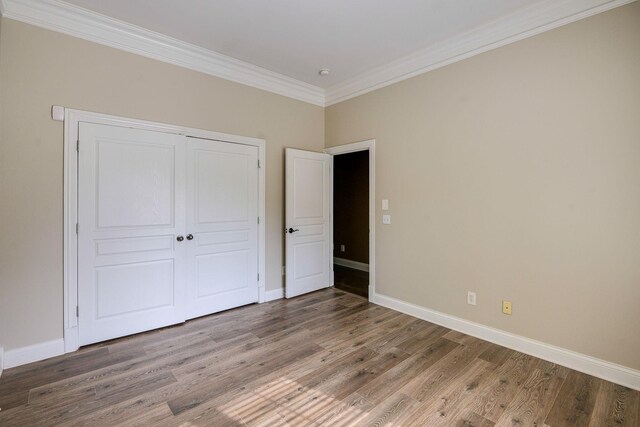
(324, 71)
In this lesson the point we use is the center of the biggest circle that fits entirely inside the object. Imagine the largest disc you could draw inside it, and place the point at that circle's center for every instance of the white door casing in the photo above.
(131, 196)
(307, 221)
(370, 146)
(222, 221)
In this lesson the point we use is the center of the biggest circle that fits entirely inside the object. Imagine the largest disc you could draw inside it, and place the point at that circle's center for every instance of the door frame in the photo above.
(72, 119)
(368, 145)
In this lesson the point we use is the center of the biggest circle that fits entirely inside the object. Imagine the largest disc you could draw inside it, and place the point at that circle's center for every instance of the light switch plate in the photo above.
(386, 219)
(385, 204)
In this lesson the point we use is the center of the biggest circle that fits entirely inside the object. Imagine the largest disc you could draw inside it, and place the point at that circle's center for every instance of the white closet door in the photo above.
(222, 226)
(131, 209)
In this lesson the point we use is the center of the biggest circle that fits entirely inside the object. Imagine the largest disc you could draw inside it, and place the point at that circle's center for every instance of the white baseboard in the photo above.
(274, 294)
(351, 264)
(33, 353)
(580, 362)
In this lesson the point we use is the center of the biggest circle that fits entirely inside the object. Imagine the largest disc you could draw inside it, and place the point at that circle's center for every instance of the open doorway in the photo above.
(310, 216)
(351, 222)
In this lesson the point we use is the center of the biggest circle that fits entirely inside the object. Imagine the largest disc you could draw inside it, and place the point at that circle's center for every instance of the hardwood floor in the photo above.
(323, 359)
(351, 280)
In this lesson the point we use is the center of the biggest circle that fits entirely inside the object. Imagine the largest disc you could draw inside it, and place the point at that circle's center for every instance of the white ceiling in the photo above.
(298, 37)
(279, 45)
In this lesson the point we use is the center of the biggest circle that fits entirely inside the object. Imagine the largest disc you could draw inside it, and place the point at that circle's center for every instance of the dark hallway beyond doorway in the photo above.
(351, 222)
(351, 280)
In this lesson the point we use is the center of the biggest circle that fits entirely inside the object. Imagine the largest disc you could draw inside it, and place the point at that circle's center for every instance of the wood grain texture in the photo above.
(324, 359)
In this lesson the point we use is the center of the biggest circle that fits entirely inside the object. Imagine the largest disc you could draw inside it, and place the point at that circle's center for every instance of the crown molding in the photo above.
(68, 19)
(525, 23)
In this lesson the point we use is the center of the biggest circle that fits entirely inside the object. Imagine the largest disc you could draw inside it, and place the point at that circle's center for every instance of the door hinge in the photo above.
(77, 227)
(77, 311)
(258, 164)
(77, 146)
(258, 220)
(258, 277)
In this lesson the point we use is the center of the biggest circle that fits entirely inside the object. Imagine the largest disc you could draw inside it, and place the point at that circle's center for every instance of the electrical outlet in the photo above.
(342, 248)
(386, 219)
(506, 307)
(471, 298)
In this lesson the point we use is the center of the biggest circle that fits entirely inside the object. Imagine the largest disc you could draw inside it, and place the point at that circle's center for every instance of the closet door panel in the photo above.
(131, 199)
(222, 217)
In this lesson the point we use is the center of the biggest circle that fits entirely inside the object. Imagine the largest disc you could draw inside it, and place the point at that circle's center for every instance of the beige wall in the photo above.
(516, 174)
(40, 68)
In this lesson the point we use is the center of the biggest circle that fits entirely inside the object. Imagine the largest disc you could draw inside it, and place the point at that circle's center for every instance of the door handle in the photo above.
(291, 230)
(189, 236)
(179, 238)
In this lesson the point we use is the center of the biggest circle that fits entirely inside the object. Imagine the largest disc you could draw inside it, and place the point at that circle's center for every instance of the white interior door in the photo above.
(222, 226)
(131, 198)
(308, 222)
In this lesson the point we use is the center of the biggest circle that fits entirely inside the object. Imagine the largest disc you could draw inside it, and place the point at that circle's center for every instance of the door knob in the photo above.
(291, 230)
(189, 236)
(179, 238)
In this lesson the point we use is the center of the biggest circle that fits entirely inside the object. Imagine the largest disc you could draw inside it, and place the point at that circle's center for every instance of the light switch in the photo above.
(386, 219)
(385, 204)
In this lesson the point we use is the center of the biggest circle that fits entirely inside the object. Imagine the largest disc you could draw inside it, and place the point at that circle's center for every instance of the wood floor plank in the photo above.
(348, 412)
(496, 354)
(509, 378)
(171, 358)
(341, 382)
(428, 383)
(459, 337)
(327, 358)
(16, 383)
(451, 405)
(532, 403)
(268, 361)
(157, 416)
(394, 379)
(575, 402)
(471, 419)
(392, 339)
(351, 280)
(422, 339)
(616, 405)
(390, 411)
(360, 334)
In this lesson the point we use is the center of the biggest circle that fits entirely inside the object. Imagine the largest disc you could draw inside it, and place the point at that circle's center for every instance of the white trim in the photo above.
(536, 19)
(78, 22)
(1, 348)
(580, 362)
(33, 353)
(273, 294)
(70, 197)
(351, 264)
(368, 145)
